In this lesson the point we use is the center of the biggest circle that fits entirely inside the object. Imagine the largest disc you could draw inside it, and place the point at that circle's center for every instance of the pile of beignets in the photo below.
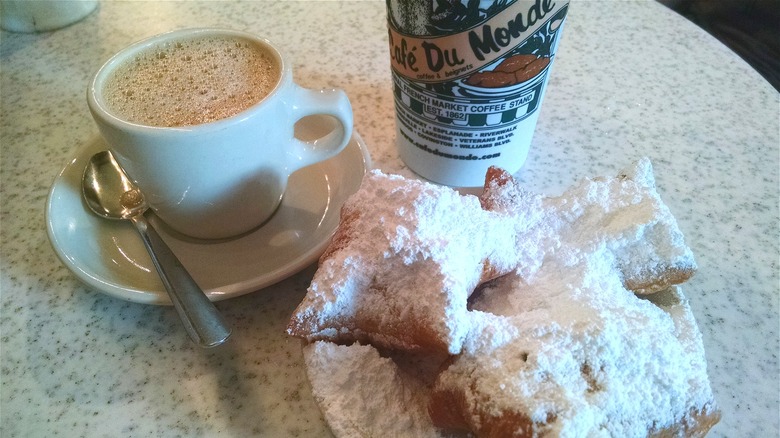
(511, 314)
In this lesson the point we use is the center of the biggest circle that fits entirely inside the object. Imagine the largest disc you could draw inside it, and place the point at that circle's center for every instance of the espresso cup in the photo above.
(202, 120)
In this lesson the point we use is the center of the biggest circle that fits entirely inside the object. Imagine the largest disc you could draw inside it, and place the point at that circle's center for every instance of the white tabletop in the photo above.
(631, 79)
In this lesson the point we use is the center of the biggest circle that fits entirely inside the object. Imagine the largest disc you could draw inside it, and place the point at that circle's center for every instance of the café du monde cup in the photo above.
(469, 78)
(202, 120)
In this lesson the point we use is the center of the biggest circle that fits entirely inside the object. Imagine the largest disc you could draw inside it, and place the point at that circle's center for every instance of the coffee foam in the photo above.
(190, 82)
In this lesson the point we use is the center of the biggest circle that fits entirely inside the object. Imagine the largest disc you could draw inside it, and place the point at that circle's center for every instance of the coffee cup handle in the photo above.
(334, 103)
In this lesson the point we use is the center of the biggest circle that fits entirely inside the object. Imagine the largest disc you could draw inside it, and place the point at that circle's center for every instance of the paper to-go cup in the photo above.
(469, 78)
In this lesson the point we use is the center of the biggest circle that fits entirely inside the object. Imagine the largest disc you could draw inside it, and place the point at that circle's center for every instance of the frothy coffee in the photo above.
(190, 82)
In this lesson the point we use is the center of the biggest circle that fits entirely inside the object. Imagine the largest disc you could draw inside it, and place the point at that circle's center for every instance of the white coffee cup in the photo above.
(42, 15)
(223, 178)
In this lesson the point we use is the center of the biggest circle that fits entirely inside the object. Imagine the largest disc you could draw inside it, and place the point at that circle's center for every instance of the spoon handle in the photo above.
(201, 319)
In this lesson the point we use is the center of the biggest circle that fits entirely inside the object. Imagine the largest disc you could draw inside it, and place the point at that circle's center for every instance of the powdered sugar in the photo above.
(415, 253)
(364, 395)
(587, 356)
(625, 214)
(592, 356)
(562, 341)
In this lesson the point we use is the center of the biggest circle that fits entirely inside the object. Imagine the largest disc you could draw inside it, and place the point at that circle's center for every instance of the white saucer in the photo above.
(110, 256)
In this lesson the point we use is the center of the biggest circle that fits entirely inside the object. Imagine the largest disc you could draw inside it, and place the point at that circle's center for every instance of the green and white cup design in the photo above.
(469, 78)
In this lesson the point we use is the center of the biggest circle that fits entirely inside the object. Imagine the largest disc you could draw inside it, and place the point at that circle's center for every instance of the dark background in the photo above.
(751, 28)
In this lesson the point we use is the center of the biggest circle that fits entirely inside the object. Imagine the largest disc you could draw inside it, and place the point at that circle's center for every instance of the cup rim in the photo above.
(99, 108)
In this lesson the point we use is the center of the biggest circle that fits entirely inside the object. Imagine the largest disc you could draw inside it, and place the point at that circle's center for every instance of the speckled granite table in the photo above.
(631, 79)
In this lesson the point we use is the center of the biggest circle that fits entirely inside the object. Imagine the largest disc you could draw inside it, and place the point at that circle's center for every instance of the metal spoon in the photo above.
(110, 194)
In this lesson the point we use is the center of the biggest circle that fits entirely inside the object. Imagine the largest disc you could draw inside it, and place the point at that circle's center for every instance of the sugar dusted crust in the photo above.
(392, 230)
(539, 377)
(345, 381)
(624, 212)
(511, 314)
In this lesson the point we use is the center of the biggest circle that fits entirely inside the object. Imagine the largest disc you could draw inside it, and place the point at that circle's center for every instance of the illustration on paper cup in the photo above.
(521, 69)
(511, 71)
(511, 74)
(468, 79)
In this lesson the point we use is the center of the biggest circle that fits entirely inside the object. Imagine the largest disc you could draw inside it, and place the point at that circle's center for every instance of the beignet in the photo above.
(508, 315)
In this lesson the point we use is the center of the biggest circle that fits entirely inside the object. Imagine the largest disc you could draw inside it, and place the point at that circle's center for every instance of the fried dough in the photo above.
(402, 265)
(408, 254)
(511, 314)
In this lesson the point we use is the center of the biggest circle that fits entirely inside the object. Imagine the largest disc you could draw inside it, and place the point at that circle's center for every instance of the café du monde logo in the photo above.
(450, 56)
